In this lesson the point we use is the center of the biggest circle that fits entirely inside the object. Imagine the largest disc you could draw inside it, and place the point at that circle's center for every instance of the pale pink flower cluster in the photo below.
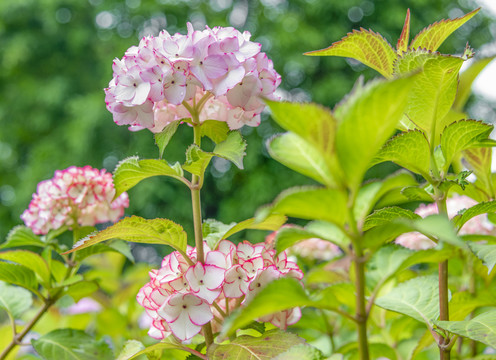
(83, 193)
(153, 79)
(184, 294)
(477, 225)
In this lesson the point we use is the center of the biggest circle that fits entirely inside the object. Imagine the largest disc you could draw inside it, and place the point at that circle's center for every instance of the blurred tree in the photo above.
(56, 58)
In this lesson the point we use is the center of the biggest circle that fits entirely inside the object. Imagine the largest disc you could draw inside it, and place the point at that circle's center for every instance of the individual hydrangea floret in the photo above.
(157, 81)
(477, 225)
(77, 194)
(181, 296)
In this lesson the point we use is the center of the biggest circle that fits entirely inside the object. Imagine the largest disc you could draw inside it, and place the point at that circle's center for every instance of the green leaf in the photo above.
(297, 154)
(417, 194)
(334, 296)
(481, 328)
(312, 204)
(385, 263)
(131, 347)
(123, 248)
(485, 252)
(467, 77)
(328, 231)
(71, 344)
(481, 208)
(479, 161)
(410, 150)
(289, 236)
(386, 215)
(300, 352)
(30, 260)
(137, 229)
(278, 295)
(18, 275)
(463, 303)
(131, 171)
(434, 35)
(265, 347)
(217, 131)
(81, 289)
(15, 300)
(197, 160)
(365, 46)
(166, 344)
(463, 135)
(417, 298)
(433, 94)
(437, 226)
(21, 236)
(366, 120)
(162, 138)
(232, 149)
(402, 44)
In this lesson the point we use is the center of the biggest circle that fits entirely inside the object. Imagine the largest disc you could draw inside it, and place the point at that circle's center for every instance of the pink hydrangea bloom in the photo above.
(84, 194)
(477, 225)
(181, 297)
(152, 80)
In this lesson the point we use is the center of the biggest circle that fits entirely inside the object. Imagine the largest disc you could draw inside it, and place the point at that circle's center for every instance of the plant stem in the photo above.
(361, 312)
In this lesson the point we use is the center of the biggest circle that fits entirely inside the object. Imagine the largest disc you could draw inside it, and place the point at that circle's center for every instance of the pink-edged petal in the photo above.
(201, 314)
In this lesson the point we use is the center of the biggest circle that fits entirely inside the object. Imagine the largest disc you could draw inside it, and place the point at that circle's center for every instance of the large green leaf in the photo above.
(312, 204)
(417, 298)
(485, 252)
(14, 300)
(71, 344)
(265, 347)
(18, 275)
(467, 77)
(433, 94)
(366, 120)
(22, 236)
(386, 215)
(463, 135)
(478, 209)
(162, 138)
(297, 154)
(131, 171)
(137, 229)
(481, 328)
(278, 295)
(434, 35)
(232, 149)
(410, 150)
(365, 46)
(30, 260)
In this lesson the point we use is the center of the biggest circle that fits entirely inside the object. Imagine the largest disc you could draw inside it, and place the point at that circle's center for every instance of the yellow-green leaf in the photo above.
(402, 44)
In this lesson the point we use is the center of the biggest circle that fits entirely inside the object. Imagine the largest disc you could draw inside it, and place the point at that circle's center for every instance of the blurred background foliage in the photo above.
(56, 57)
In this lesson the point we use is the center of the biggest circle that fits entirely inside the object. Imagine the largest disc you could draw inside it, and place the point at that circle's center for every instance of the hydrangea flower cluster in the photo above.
(185, 294)
(477, 225)
(152, 81)
(83, 193)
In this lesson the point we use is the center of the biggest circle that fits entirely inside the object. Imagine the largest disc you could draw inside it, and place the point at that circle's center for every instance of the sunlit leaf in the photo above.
(434, 35)
(162, 138)
(197, 160)
(18, 275)
(30, 260)
(232, 149)
(131, 347)
(217, 131)
(167, 344)
(467, 77)
(21, 236)
(485, 252)
(365, 46)
(479, 161)
(15, 300)
(300, 352)
(478, 209)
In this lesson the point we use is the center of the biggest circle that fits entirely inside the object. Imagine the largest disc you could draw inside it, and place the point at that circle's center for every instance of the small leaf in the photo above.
(417, 298)
(410, 150)
(131, 347)
(479, 161)
(18, 275)
(123, 248)
(402, 44)
(137, 229)
(232, 149)
(21, 236)
(481, 328)
(30, 260)
(485, 252)
(312, 204)
(386, 215)
(131, 171)
(217, 131)
(434, 35)
(71, 344)
(265, 347)
(366, 120)
(481, 208)
(365, 46)
(463, 135)
(292, 151)
(15, 300)
(197, 160)
(162, 138)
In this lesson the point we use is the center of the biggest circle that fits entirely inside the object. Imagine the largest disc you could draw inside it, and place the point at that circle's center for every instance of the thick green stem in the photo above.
(361, 312)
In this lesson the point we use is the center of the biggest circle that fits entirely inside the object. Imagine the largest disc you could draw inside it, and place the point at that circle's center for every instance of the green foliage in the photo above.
(21, 236)
(217, 131)
(70, 344)
(197, 160)
(481, 328)
(167, 344)
(30, 260)
(18, 275)
(268, 346)
(14, 300)
(136, 229)
(300, 352)
(232, 148)
(162, 138)
(386, 215)
(485, 252)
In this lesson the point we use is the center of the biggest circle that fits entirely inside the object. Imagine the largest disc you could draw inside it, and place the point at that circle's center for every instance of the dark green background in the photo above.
(55, 61)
